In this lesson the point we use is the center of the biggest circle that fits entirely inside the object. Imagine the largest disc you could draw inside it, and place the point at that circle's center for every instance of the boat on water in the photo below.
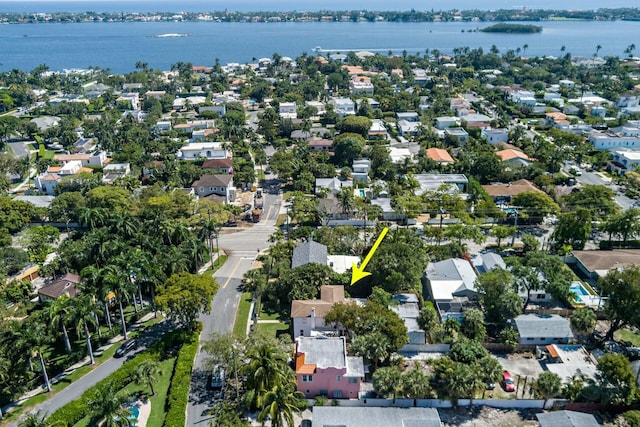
(171, 35)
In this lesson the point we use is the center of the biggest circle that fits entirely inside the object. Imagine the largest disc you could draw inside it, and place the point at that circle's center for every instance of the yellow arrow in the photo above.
(358, 273)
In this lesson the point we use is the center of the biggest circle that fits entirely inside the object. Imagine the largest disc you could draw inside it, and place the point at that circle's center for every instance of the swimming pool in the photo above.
(579, 291)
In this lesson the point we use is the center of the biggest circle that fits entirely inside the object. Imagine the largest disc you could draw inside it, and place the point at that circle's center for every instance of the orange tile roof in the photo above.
(510, 154)
(85, 170)
(51, 177)
(54, 169)
(512, 189)
(439, 155)
(304, 368)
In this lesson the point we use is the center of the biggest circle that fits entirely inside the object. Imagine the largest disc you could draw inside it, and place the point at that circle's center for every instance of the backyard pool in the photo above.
(583, 296)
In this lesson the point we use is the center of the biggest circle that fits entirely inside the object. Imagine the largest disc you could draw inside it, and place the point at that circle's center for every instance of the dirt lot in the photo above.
(488, 417)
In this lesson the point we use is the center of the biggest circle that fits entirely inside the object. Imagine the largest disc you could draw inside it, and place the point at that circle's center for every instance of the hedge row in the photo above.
(178, 397)
(74, 411)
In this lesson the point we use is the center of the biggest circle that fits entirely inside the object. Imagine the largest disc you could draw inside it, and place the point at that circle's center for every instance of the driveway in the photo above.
(19, 148)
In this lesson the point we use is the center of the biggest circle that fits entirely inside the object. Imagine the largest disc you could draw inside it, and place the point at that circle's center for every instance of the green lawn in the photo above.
(627, 335)
(156, 419)
(218, 263)
(281, 220)
(273, 329)
(269, 315)
(242, 315)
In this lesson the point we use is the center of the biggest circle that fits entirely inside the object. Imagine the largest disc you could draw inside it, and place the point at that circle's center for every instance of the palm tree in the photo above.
(547, 385)
(415, 383)
(34, 420)
(97, 287)
(388, 381)
(266, 367)
(121, 287)
(108, 406)
(58, 313)
(148, 372)
(84, 313)
(280, 403)
(34, 337)
(598, 49)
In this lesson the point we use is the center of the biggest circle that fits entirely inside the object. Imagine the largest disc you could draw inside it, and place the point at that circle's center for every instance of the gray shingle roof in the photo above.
(543, 325)
(308, 252)
(566, 419)
(332, 416)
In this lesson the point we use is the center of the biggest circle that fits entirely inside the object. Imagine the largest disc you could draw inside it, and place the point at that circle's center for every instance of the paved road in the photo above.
(242, 247)
(19, 149)
(593, 179)
(75, 390)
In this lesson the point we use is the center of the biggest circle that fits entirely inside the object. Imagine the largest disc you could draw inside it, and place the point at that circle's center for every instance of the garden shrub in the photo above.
(178, 395)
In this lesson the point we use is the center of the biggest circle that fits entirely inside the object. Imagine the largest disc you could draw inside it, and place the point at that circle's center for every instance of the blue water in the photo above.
(118, 46)
(286, 5)
(578, 290)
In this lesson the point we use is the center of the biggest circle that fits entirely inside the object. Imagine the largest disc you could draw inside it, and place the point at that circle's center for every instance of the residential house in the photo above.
(308, 315)
(341, 263)
(626, 136)
(495, 136)
(458, 133)
(476, 120)
(157, 94)
(570, 110)
(624, 160)
(523, 97)
(288, 110)
(317, 143)
(569, 360)
(446, 122)
(162, 126)
(420, 76)
(570, 84)
(332, 186)
(505, 192)
(409, 129)
(563, 419)
(36, 201)
(219, 184)
(374, 104)
(514, 158)
(219, 108)
(450, 284)
(129, 101)
(367, 416)
(377, 130)
(408, 310)
(97, 158)
(47, 181)
(323, 368)
(537, 329)
(455, 183)
(360, 170)
(308, 252)
(318, 105)
(483, 263)
(596, 264)
(219, 165)
(399, 154)
(343, 106)
(440, 156)
(410, 116)
(206, 150)
(113, 171)
(361, 85)
(65, 285)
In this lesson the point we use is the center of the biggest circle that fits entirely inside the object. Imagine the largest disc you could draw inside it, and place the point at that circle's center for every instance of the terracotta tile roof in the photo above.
(54, 169)
(69, 157)
(510, 154)
(439, 155)
(217, 164)
(51, 177)
(85, 170)
(304, 368)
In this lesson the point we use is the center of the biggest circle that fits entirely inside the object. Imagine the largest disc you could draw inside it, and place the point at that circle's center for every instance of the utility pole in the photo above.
(210, 239)
(516, 210)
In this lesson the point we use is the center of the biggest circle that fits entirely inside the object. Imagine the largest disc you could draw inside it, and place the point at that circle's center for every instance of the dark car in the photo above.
(126, 347)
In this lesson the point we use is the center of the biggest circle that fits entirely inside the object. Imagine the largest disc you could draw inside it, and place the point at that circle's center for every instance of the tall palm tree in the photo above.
(147, 373)
(121, 287)
(107, 405)
(58, 313)
(415, 383)
(5, 368)
(280, 403)
(95, 286)
(84, 314)
(34, 337)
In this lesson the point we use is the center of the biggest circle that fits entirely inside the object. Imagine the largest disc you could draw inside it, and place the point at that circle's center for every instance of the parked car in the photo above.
(507, 382)
(217, 377)
(126, 347)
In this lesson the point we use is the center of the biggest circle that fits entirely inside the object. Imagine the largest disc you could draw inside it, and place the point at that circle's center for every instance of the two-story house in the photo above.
(324, 369)
(220, 184)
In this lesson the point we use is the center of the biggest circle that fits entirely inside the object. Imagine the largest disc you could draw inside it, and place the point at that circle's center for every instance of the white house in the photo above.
(360, 170)
(219, 184)
(450, 284)
(458, 133)
(538, 329)
(288, 110)
(343, 106)
(308, 315)
(627, 136)
(495, 136)
(407, 128)
(625, 160)
(207, 150)
(446, 122)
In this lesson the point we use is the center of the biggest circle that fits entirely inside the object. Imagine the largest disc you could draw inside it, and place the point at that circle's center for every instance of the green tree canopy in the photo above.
(622, 289)
(184, 295)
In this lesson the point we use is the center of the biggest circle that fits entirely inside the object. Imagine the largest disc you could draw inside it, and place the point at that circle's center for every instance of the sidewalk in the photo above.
(207, 265)
(77, 365)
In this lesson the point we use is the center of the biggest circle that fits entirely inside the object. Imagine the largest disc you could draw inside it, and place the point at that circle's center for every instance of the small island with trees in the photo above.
(512, 28)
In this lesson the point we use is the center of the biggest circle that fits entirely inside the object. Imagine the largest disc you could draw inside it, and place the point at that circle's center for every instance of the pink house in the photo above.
(323, 368)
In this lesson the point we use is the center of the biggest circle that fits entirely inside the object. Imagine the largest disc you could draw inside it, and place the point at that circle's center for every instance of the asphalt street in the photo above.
(242, 247)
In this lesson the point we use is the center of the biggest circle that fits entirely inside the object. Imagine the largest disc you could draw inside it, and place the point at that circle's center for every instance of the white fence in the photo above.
(435, 403)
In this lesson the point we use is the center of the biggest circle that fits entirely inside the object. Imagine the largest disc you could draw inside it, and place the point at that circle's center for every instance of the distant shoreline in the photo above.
(353, 16)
